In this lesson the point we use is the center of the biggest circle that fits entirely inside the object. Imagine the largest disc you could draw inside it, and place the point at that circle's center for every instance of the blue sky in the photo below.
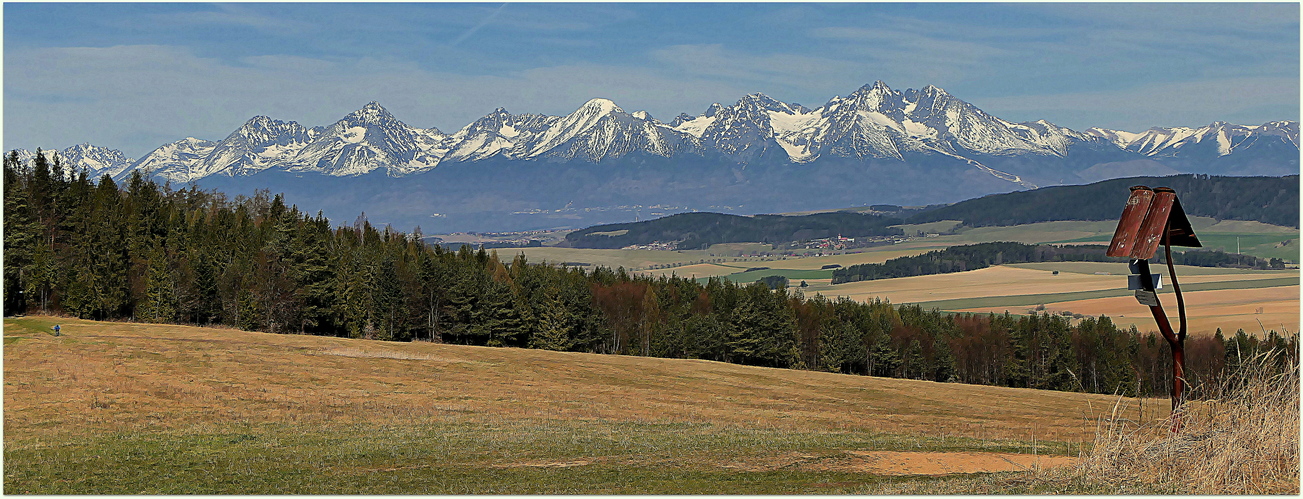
(135, 76)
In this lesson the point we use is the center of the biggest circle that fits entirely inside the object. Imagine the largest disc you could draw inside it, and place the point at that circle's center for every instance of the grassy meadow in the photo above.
(122, 408)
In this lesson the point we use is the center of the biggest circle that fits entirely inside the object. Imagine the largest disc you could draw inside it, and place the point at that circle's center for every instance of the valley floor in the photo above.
(1230, 299)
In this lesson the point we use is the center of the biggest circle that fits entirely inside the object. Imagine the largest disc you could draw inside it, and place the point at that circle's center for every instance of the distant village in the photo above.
(836, 243)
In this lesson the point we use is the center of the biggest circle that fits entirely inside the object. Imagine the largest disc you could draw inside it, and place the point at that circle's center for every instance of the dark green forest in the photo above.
(700, 230)
(1272, 200)
(983, 255)
(143, 252)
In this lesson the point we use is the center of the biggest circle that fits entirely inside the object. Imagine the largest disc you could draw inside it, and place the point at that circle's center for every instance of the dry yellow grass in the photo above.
(1244, 440)
(117, 376)
(991, 281)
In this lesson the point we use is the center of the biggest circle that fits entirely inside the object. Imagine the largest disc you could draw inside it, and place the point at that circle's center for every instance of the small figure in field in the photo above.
(56, 329)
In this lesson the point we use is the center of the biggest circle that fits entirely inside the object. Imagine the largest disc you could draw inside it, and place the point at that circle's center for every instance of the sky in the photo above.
(135, 76)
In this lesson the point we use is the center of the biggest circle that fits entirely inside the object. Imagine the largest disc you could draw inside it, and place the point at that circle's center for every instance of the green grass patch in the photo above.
(1259, 245)
(461, 457)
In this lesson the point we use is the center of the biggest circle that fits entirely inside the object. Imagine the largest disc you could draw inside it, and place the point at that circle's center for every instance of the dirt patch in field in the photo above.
(545, 464)
(942, 463)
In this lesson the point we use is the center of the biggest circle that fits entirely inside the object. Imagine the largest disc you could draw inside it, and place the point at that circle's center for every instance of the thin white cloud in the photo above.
(1190, 103)
(487, 19)
(231, 15)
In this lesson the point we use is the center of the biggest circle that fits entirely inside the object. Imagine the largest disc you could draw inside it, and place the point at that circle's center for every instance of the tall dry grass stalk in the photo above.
(1243, 438)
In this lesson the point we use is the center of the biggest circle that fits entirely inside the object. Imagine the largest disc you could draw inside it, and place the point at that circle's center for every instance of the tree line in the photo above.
(145, 252)
(702, 229)
(983, 255)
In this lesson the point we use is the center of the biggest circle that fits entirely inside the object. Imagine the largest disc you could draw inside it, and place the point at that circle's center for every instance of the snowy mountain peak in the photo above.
(174, 161)
(678, 120)
(598, 106)
(873, 123)
(371, 114)
(759, 101)
(96, 160)
(879, 87)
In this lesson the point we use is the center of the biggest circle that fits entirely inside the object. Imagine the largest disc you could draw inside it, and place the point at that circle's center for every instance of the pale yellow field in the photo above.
(1228, 309)
(991, 281)
(1206, 310)
(1006, 280)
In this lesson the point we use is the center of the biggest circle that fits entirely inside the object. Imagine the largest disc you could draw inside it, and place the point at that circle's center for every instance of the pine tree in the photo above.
(555, 328)
(160, 304)
(21, 233)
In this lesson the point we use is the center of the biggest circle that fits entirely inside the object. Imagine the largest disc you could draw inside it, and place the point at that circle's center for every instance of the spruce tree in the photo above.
(555, 328)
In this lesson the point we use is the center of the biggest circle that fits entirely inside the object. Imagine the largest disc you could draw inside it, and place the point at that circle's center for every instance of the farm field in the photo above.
(1206, 310)
(1256, 239)
(1215, 297)
(127, 408)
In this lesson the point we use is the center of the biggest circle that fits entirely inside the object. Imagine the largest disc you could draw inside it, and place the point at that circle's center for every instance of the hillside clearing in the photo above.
(178, 409)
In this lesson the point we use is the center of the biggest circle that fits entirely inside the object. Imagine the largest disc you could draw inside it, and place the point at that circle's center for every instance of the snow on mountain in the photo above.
(597, 130)
(1221, 137)
(873, 122)
(367, 139)
(97, 160)
(176, 161)
(499, 133)
(616, 134)
(259, 144)
(574, 124)
(744, 131)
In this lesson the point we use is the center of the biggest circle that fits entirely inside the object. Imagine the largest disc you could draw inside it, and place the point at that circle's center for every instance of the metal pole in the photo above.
(1175, 340)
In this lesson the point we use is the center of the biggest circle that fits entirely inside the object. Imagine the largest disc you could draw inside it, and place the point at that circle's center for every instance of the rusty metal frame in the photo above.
(1149, 216)
(1153, 217)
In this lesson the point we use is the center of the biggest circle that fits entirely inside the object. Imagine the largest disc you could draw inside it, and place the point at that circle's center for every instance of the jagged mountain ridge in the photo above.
(602, 164)
(874, 122)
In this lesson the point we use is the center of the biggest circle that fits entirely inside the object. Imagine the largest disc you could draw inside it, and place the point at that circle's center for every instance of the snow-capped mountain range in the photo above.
(872, 122)
(874, 137)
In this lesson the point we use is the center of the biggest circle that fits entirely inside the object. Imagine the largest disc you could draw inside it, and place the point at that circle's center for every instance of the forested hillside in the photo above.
(94, 249)
(698, 230)
(983, 255)
(1272, 200)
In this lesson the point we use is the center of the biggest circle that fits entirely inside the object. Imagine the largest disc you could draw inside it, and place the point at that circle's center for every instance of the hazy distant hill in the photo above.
(696, 230)
(1272, 200)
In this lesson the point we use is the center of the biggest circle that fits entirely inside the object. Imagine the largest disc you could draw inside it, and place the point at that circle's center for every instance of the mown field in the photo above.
(1229, 299)
(120, 408)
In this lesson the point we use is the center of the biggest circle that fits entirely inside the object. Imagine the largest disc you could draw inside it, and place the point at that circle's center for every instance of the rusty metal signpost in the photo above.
(1152, 217)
